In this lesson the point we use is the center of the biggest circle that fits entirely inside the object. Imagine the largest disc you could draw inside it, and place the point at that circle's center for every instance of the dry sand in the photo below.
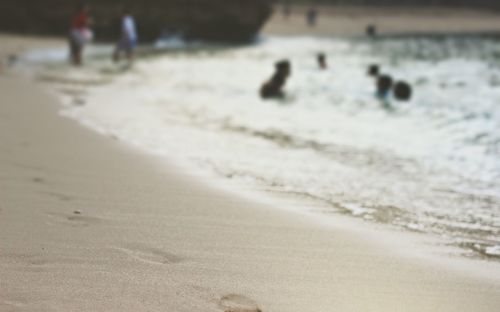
(352, 21)
(87, 224)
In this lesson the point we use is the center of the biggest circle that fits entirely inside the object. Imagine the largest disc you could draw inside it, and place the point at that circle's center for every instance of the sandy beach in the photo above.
(89, 224)
(352, 21)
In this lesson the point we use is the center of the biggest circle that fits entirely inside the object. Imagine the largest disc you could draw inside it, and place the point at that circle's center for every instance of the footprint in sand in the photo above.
(60, 196)
(238, 303)
(75, 219)
(151, 255)
(39, 180)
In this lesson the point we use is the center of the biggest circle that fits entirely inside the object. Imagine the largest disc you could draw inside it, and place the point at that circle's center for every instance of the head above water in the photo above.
(322, 60)
(373, 70)
(384, 84)
(283, 67)
(402, 91)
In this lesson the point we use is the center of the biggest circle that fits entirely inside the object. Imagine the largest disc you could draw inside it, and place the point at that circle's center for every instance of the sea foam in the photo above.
(429, 165)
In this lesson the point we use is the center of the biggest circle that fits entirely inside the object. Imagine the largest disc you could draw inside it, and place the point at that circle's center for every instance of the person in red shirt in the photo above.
(80, 33)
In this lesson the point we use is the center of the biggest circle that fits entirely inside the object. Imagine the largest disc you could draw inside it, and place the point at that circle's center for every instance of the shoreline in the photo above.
(196, 246)
(348, 21)
(90, 215)
(453, 250)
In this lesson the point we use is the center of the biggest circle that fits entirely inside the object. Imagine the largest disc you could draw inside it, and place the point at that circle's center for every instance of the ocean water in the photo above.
(430, 165)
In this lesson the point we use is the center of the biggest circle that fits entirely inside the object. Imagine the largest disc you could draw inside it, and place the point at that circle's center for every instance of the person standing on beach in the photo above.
(312, 16)
(286, 9)
(80, 33)
(128, 39)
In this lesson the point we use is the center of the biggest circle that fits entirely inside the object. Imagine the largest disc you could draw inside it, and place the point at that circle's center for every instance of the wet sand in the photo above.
(352, 21)
(15, 45)
(89, 224)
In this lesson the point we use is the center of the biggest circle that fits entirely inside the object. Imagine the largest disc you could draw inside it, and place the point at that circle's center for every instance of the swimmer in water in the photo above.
(374, 70)
(322, 61)
(402, 91)
(274, 87)
(384, 85)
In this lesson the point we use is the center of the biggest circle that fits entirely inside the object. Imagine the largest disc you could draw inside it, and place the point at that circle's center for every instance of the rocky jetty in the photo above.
(217, 20)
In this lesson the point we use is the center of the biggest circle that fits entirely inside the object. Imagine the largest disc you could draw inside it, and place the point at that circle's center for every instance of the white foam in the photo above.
(432, 164)
(493, 250)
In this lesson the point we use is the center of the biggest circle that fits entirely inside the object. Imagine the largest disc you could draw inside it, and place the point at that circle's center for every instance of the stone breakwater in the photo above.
(218, 20)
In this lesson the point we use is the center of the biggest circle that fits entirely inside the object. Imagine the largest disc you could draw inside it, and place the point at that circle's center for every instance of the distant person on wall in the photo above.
(80, 33)
(312, 16)
(128, 39)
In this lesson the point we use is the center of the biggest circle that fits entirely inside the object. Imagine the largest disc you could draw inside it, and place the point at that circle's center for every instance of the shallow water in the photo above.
(430, 165)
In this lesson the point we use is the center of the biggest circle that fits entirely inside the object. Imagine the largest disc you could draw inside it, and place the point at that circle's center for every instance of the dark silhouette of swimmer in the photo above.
(384, 85)
(322, 61)
(373, 70)
(286, 9)
(402, 91)
(274, 87)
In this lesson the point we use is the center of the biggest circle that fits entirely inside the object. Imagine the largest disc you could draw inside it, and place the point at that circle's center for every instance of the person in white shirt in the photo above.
(128, 39)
